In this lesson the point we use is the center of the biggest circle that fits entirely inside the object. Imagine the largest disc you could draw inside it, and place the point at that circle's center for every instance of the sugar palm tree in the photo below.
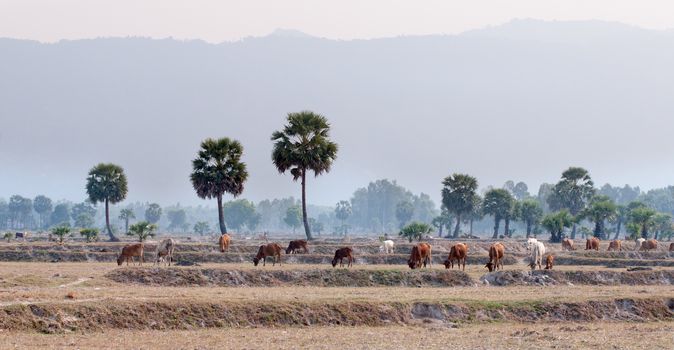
(600, 209)
(643, 218)
(107, 183)
(555, 224)
(459, 196)
(304, 145)
(126, 215)
(217, 170)
(142, 230)
(498, 203)
(531, 213)
(573, 192)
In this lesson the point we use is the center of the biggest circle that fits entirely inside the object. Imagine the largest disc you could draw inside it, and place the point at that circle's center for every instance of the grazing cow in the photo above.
(271, 249)
(165, 251)
(615, 244)
(225, 239)
(421, 254)
(537, 252)
(457, 252)
(387, 246)
(567, 244)
(496, 252)
(296, 245)
(549, 260)
(638, 242)
(129, 251)
(650, 244)
(671, 247)
(592, 244)
(342, 253)
(22, 235)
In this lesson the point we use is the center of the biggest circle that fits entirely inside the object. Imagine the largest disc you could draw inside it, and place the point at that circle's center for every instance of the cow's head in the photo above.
(120, 260)
(490, 266)
(334, 262)
(412, 264)
(530, 243)
(256, 260)
(447, 263)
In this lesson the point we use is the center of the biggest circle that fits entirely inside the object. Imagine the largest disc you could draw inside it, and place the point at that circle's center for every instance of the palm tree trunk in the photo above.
(440, 231)
(573, 231)
(107, 222)
(471, 226)
(506, 227)
(458, 225)
(497, 221)
(307, 230)
(617, 230)
(221, 216)
(528, 229)
(126, 224)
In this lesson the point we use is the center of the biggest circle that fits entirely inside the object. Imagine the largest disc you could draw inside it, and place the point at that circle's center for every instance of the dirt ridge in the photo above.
(274, 278)
(88, 316)
(543, 277)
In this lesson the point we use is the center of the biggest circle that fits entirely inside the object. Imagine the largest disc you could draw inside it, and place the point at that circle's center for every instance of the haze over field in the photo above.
(520, 101)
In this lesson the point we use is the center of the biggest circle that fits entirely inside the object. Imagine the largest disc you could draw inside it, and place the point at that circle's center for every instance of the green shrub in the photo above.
(91, 234)
(415, 230)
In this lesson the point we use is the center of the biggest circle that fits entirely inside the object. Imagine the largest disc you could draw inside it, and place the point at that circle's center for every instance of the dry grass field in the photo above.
(599, 335)
(79, 305)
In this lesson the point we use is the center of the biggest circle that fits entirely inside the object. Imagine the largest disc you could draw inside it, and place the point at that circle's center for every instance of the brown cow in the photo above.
(457, 252)
(271, 249)
(296, 245)
(342, 253)
(592, 244)
(549, 260)
(650, 244)
(129, 251)
(671, 247)
(225, 239)
(496, 252)
(567, 244)
(421, 254)
(615, 244)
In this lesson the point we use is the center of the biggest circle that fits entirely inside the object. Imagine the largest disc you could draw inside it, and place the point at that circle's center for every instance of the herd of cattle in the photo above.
(420, 256)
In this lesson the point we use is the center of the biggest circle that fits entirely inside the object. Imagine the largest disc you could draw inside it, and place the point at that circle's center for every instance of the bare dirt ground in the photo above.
(83, 305)
(599, 335)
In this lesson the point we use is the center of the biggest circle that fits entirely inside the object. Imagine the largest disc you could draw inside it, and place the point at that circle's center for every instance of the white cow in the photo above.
(387, 247)
(638, 242)
(530, 243)
(165, 251)
(537, 251)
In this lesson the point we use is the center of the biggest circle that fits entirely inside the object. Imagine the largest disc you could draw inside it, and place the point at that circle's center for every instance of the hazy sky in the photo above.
(223, 20)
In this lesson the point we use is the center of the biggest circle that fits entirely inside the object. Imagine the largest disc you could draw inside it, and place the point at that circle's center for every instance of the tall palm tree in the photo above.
(217, 170)
(498, 203)
(126, 215)
(572, 192)
(600, 209)
(643, 218)
(304, 145)
(459, 196)
(107, 183)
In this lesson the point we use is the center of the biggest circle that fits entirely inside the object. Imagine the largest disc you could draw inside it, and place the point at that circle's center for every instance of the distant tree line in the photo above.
(303, 146)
